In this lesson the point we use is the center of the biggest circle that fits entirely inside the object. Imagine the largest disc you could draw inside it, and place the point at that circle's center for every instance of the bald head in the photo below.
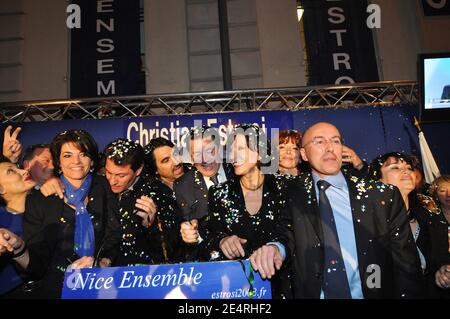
(311, 131)
(322, 148)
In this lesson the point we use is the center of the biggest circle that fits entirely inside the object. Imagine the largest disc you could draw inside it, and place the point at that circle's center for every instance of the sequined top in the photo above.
(157, 244)
(228, 215)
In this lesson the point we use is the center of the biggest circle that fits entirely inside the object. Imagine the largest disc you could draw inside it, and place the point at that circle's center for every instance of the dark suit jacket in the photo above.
(49, 226)
(151, 245)
(440, 248)
(191, 193)
(383, 238)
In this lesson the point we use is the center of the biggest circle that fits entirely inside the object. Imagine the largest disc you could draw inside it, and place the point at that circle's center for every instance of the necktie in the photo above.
(214, 179)
(335, 284)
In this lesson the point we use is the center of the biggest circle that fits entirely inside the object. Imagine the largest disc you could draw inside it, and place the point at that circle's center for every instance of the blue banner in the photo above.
(370, 130)
(175, 127)
(103, 131)
(206, 280)
(143, 129)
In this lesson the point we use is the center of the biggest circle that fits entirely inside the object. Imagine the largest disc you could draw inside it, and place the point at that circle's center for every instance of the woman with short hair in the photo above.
(243, 212)
(398, 169)
(81, 230)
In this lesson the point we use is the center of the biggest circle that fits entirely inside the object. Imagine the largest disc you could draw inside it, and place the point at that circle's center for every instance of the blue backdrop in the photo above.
(369, 130)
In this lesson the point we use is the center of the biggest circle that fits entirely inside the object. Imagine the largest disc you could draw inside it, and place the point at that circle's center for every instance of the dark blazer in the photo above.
(49, 226)
(382, 232)
(440, 249)
(439, 233)
(191, 194)
(158, 243)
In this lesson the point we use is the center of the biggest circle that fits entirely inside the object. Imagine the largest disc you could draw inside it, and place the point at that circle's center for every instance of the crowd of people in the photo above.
(322, 224)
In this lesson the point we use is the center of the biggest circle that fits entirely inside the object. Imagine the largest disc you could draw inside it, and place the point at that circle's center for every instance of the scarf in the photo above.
(84, 239)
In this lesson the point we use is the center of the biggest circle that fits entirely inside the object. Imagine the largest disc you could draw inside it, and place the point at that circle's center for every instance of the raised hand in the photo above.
(442, 277)
(350, 156)
(83, 262)
(9, 242)
(53, 186)
(11, 145)
(147, 210)
(189, 231)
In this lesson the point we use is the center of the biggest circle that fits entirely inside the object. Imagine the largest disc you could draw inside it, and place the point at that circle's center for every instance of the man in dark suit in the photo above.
(150, 233)
(191, 190)
(446, 93)
(346, 237)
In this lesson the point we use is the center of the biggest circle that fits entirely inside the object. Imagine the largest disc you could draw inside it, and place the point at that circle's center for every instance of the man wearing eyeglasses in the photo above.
(346, 237)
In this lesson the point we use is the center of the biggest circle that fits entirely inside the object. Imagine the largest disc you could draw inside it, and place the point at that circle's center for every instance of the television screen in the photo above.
(434, 81)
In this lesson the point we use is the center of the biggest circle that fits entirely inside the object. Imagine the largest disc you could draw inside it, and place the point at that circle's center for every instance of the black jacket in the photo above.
(49, 226)
(382, 232)
(158, 243)
(191, 194)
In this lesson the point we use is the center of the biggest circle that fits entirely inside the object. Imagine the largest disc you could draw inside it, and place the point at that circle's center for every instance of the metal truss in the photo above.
(295, 98)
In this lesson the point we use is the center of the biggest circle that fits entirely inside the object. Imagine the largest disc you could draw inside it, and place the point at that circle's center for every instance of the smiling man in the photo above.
(347, 237)
(141, 205)
(191, 190)
(37, 159)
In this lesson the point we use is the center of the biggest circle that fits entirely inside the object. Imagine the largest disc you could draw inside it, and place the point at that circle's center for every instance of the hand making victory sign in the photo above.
(11, 145)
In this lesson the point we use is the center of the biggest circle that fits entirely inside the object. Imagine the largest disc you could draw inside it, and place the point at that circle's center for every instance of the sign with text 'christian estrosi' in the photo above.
(205, 280)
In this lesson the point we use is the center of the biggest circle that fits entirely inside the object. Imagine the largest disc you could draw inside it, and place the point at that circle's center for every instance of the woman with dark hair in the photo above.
(289, 145)
(14, 186)
(81, 230)
(398, 169)
(243, 212)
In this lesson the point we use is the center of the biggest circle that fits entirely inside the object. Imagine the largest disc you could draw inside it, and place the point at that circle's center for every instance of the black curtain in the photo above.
(106, 60)
(345, 36)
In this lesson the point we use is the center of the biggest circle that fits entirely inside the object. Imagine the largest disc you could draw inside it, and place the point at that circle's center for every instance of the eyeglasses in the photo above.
(322, 142)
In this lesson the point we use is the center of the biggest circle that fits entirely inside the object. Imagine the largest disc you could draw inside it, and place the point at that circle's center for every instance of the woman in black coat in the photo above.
(398, 169)
(81, 230)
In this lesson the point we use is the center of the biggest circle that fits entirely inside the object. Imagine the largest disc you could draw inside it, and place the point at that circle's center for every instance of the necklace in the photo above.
(260, 184)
